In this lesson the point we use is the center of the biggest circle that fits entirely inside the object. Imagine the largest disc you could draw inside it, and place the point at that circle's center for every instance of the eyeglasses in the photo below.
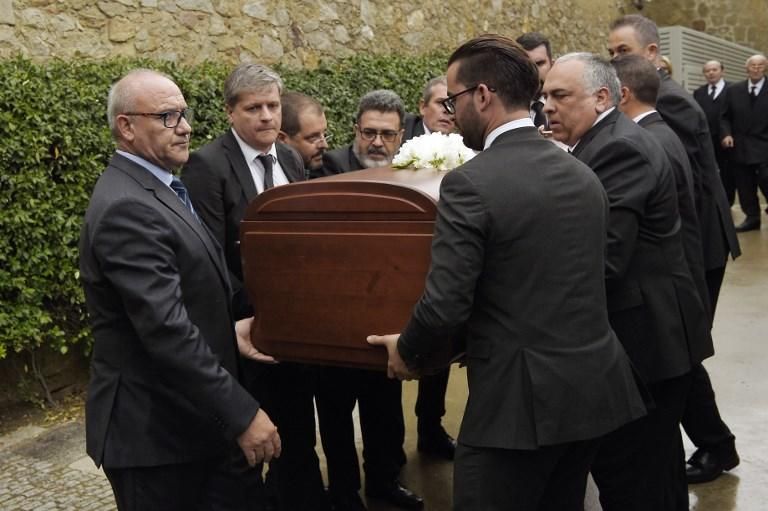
(449, 103)
(316, 139)
(171, 118)
(371, 134)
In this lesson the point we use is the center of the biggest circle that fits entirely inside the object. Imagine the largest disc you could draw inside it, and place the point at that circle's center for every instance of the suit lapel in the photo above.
(593, 131)
(170, 200)
(289, 162)
(239, 165)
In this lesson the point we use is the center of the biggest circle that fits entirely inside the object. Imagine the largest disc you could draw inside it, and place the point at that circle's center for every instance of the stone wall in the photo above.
(743, 22)
(294, 32)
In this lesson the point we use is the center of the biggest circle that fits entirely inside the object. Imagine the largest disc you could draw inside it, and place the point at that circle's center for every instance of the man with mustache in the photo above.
(378, 134)
(223, 177)
(304, 128)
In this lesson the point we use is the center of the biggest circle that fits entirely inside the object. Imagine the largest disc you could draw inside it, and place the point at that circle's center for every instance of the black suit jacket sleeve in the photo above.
(137, 257)
(681, 118)
(627, 187)
(458, 250)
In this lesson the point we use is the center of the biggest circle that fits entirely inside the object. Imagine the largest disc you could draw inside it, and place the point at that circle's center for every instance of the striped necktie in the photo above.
(181, 190)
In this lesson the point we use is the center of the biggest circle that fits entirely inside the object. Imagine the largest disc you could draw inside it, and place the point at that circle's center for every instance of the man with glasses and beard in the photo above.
(378, 134)
(304, 128)
(524, 287)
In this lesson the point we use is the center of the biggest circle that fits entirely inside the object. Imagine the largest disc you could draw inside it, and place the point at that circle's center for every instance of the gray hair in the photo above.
(249, 78)
(757, 56)
(382, 100)
(122, 96)
(598, 73)
(426, 95)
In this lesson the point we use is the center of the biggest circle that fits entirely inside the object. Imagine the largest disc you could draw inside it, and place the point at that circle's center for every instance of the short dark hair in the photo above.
(639, 75)
(293, 105)
(500, 63)
(645, 28)
(382, 100)
(532, 40)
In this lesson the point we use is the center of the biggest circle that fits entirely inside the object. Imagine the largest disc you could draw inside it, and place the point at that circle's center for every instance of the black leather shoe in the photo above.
(437, 443)
(346, 502)
(707, 465)
(749, 224)
(395, 494)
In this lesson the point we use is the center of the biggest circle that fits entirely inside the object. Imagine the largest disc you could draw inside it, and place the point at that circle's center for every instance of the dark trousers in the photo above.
(381, 425)
(641, 466)
(726, 172)
(430, 403)
(748, 179)
(701, 418)
(550, 478)
(286, 392)
(199, 486)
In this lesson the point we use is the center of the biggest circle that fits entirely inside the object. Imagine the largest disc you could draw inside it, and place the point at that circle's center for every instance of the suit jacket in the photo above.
(691, 230)
(526, 285)
(747, 122)
(338, 161)
(163, 386)
(221, 187)
(687, 120)
(414, 126)
(653, 303)
(711, 110)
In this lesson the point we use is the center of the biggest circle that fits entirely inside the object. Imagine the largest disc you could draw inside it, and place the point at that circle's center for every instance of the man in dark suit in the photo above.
(378, 132)
(744, 128)
(304, 128)
(639, 89)
(716, 444)
(223, 177)
(653, 304)
(710, 98)
(164, 406)
(432, 116)
(547, 376)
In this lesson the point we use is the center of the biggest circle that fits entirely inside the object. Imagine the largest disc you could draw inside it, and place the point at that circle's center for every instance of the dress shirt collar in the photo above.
(508, 126)
(427, 131)
(249, 152)
(759, 85)
(719, 86)
(163, 175)
(642, 116)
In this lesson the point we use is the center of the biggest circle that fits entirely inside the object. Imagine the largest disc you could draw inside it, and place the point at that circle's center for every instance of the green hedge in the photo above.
(54, 142)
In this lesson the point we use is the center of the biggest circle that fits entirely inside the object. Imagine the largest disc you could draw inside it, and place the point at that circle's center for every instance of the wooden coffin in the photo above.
(330, 261)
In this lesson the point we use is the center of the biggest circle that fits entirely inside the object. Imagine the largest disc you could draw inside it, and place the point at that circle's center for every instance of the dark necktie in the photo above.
(539, 119)
(266, 161)
(181, 190)
(753, 92)
(712, 91)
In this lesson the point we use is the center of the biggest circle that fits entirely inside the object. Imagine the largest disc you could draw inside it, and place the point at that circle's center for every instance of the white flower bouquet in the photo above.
(434, 151)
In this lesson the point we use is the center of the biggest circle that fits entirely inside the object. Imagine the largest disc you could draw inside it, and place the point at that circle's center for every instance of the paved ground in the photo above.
(45, 469)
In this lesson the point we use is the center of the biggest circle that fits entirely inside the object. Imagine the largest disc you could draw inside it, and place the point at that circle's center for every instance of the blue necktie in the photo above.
(181, 190)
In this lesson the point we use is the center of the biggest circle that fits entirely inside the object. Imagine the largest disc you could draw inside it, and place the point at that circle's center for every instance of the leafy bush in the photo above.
(54, 142)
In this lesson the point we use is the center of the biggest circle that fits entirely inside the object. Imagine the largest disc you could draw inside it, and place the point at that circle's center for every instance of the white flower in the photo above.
(433, 151)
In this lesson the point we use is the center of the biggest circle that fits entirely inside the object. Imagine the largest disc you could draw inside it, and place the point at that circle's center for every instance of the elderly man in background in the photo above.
(744, 130)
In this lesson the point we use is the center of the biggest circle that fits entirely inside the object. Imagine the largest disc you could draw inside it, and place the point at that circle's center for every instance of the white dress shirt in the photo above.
(257, 168)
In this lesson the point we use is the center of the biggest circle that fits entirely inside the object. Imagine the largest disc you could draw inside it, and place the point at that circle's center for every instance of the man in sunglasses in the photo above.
(378, 134)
